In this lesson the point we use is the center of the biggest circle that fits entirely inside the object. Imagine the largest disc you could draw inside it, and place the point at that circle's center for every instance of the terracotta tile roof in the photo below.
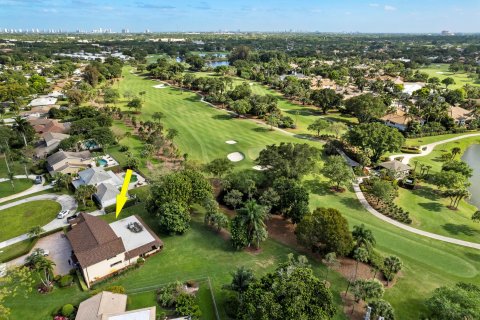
(459, 113)
(93, 240)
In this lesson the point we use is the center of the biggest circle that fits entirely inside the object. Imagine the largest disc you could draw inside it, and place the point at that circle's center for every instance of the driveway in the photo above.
(59, 252)
(67, 202)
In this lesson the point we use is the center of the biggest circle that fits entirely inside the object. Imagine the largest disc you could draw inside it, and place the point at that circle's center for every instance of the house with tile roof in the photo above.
(42, 125)
(107, 184)
(101, 249)
(69, 162)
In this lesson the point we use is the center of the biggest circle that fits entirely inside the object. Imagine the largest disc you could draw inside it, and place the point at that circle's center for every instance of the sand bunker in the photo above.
(261, 168)
(230, 142)
(160, 86)
(235, 156)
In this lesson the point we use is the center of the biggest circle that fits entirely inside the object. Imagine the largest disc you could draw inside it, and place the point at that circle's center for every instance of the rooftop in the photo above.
(131, 240)
(139, 314)
(100, 304)
(43, 101)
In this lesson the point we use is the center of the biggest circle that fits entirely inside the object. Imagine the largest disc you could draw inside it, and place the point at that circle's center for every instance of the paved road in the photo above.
(67, 202)
(435, 236)
(33, 189)
(429, 148)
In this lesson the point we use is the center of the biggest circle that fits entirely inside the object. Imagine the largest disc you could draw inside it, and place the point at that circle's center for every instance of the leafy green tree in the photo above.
(381, 308)
(269, 198)
(337, 128)
(448, 81)
(325, 230)
(450, 180)
(233, 198)
(331, 261)
(366, 107)
(136, 104)
(186, 305)
(338, 171)
(392, 266)
(219, 167)
(458, 166)
(326, 99)
(459, 302)
(476, 216)
(293, 200)
(375, 138)
(34, 232)
(291, 292)
(111, 95)
(273, 120)
(318, 125)
(383, 191)
(363, 237)
(241, 107)
(15, 281)
(173, 217)
(288, 160)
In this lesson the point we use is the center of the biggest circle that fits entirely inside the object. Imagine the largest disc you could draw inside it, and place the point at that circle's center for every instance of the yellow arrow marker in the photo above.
(122, 197)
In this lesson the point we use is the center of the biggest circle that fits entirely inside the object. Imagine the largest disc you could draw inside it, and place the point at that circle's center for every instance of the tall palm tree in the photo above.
(392, 265)
(46, 266)
(241, 279)
(360, 255)
(330, 260)
(253, 218)
(21, 125)
(363, 237)
(455, 151)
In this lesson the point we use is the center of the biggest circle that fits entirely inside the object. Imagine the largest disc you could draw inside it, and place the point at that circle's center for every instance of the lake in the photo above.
(472, 157)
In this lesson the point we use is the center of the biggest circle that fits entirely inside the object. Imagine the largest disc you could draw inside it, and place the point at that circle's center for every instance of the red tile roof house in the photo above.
(101, 249)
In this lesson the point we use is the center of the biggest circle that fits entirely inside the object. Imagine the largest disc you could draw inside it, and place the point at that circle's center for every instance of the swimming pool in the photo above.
(102, 162)
(90, 144)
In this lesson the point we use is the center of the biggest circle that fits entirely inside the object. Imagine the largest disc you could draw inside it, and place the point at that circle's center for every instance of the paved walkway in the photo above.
(429, 148)
(435, 236)
(33, 189)
(67, 202)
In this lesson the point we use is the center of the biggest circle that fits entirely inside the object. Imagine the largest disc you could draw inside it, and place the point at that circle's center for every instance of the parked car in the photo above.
(38, 180)
(73, 217)
(62, 214)
(40, 251)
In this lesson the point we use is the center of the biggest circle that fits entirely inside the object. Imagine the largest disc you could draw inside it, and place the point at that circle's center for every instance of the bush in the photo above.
(140, 260)
(67, 310)
(123, 148)
(66, 281)
(116, 289)
(186, 305)
(167, 295)
(232, 304)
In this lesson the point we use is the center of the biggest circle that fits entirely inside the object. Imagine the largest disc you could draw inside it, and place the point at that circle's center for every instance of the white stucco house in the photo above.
(100, 249)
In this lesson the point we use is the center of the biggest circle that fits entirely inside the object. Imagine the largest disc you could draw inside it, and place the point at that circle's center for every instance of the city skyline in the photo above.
(183, 16)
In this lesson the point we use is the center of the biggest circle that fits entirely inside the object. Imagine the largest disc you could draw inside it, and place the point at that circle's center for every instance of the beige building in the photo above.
(111, 306)
(69, 162)
(460, 115)
(101, 249)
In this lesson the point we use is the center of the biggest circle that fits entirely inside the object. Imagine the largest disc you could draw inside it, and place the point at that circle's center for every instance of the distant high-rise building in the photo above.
(447, 33)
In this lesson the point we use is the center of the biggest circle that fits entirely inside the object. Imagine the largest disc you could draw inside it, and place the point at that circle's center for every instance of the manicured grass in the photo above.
(427, 140)
(16, 250)
(429, 212)
(16, 167)
(461, 78)
(20, 185)
(203, 130)
(20, 219)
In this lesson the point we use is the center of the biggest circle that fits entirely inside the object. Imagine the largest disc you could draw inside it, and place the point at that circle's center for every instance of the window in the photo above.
(114, 264)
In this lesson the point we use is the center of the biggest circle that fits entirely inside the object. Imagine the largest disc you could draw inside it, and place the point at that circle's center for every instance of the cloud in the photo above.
(374, 5)
(145, 5)
(389, 8)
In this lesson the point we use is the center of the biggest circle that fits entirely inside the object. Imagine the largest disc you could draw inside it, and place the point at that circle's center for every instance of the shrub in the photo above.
(67, 310)
(232, 304)
(123, 148)
(66, 281)
(187, 306)
(116, 289)
(140, 260)
(167, 295)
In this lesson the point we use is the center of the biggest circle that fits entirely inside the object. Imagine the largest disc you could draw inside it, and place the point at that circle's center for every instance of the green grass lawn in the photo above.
(203, 130)
(429, 212)
(20, 219)
(20, 185)
(441, 71)
(427, 140)
(16, 250)
(16, 167)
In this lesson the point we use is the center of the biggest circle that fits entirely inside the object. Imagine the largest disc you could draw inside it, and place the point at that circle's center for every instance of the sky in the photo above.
(398, 16)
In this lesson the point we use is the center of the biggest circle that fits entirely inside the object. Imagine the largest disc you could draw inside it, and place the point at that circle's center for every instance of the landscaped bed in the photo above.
(20, 219)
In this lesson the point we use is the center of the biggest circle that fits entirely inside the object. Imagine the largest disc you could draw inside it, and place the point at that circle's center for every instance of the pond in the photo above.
(214, 64)
(472, 157)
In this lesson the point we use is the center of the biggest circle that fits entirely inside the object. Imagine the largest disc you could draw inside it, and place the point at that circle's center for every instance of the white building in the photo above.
(107, 183)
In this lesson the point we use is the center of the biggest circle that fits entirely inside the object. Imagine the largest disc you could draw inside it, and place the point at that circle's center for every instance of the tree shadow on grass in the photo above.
(261, 129)
(431, 206)
(427, 193)
(333, 119)
(303, 112)
(222, 117)
(473, 256)
(351, 203)
(459, 229)
(321, 188)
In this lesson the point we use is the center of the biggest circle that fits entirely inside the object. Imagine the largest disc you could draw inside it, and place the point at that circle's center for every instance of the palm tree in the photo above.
(21, 126)
(455, 151)
(241, 279)
(363, 237)
(35, 232)
(4, 149)
(331, 261)
(83, 192)
(360, 255)
(46, 266)
(392, 265)
(253, 218)
(25, 161)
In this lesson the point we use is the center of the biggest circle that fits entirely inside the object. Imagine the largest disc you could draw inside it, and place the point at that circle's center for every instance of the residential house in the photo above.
(43, 101)
(42, 125)
(101, 249)
(107, 184)
(397, 168)
(38, 112)
(49, 143)
(69, 162)
(111, 306)
(400, 119)
(460, 115)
